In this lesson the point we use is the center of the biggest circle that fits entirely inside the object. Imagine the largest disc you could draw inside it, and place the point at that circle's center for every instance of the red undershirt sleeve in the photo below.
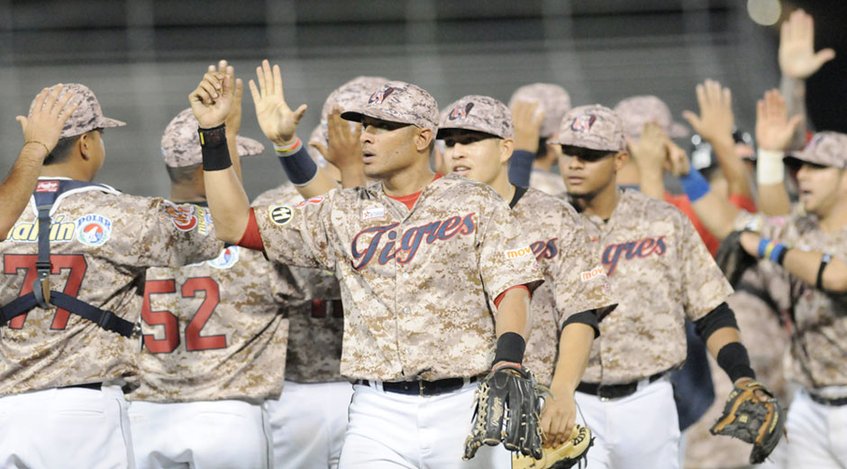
(500, 296)
(252, 238)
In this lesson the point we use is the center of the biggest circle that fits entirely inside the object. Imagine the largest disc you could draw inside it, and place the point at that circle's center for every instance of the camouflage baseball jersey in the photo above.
(574, 280)
(818, 346)
(660, 272)
(548, 182)
(214, 330)
(418, 285)
(315, 324)
(102, 241)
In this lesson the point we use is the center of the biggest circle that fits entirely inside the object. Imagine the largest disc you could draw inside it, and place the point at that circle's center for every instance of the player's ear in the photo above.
(621, 159)
(84, 145)
(423, 139)
(507, 146)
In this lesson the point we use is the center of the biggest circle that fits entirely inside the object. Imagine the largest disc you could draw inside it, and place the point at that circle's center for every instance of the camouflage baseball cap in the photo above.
(350, 95)
(552, 99)
(87, 116)
(639, 110)
(825, 149)
(594, 127)
(479, 113)
(400, 102)
(181, 143)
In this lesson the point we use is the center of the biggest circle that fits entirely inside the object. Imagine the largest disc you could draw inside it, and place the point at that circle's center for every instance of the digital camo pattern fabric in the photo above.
(574, 280)
(315, 324)
(418, 286)
(101, 244)
(478, 113)
(88, 114)
(817, 321)
(215, 330)
(548, 182)
(660, 273)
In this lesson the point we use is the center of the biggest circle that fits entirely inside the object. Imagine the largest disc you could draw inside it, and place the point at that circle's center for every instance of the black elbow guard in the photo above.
(588, 318)
(722, 316)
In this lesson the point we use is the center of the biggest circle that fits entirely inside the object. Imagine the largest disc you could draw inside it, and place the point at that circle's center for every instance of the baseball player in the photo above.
(309, 419)
(660, 273)
(41, 134)
(69, 298)
(214, 335)
(537, 110)
(478, 134)
(423, 264)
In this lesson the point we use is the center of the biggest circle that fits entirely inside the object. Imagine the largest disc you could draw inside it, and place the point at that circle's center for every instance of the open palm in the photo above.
(277, 121)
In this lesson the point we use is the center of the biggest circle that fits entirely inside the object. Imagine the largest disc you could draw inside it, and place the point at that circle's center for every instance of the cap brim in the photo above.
(108, 122)
(442, 131)
(248, 146)
(800, 158)
(357, 115)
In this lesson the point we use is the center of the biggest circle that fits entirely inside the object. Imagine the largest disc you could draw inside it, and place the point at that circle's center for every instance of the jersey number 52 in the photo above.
(169, 321)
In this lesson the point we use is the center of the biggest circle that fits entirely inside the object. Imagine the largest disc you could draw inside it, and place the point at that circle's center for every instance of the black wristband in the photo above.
(510, 348)
(780, 259)
(825, 259)
(214, 149)
(734, 360)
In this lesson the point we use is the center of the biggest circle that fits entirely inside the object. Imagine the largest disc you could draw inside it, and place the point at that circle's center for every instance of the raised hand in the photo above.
(774, 130)
(233, 119)
(716, 120)
(212, 100)
(344, 148)
(797, 56)
(527, 120)
(650, 151)
(52, 108)
(277, 121)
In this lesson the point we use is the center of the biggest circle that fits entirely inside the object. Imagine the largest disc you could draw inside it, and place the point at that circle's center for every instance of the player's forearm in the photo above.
(574, 349)
(16, 189)
(732, 167)
(721, 338)
(805, 265)
(319, 185)
(232, 146)
(794, 90)
(773, 199)
(513, 313)
(716, 213)
(228, 203)
(651, 183)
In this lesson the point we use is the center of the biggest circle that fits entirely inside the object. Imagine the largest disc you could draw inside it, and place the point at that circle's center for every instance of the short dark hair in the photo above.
(586, 154)
(62, 151)
(183, 174)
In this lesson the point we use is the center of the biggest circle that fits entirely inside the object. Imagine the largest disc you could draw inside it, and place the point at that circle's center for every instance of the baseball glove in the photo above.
(749, 419)
(732, 258)
(563, 456)
(507, 410)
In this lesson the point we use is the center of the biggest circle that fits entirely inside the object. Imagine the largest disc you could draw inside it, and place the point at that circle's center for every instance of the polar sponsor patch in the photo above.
(227, 258)
(515, 253)
(93, 229)
(590, 275)
(280, 214)
(182, 216)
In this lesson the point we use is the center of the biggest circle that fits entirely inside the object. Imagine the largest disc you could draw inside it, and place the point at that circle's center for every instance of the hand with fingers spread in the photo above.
(650, 151)
(797, 56)
(716, 120)
(527, 120)
(212, 100)
(558, 418)
(51, 110)
(277, 121)
(343, 149)
(774, 130)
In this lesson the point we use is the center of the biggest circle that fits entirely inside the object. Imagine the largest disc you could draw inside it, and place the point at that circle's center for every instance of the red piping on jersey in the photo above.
(503, 295)
(252, 238)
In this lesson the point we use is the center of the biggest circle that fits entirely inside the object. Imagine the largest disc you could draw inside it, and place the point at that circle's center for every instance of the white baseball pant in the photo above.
(307, 424)
(390, 430)
(69, 427)
(204, 434)
(817, 434)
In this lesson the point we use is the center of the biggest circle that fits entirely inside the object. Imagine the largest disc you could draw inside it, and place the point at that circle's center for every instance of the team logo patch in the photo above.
(460, 112)
(280, 214)
(379, 96)
(583, 123)
(47, 186)
(227, 258)
(182, 216)
(93, 229)
(373, 213)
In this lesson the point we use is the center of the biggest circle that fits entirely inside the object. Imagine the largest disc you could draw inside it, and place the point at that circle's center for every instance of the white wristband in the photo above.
(769, 167)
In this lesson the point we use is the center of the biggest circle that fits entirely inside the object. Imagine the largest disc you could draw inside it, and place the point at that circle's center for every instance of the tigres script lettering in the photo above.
(641, 248)
(383, 243)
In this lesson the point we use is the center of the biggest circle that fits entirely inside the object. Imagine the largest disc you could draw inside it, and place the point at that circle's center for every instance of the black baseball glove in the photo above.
(508, 406)
(733, 259)
(750, 419)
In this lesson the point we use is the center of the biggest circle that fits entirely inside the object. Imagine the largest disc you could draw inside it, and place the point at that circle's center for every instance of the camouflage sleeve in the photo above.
(505, 258)
(299, 234)
(174, 235)
(580, 280)
(704, 286)
(284, 286)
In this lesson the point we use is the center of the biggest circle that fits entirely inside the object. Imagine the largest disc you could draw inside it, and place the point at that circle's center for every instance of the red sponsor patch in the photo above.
(313, 200)
(182, 216)
(47, 186)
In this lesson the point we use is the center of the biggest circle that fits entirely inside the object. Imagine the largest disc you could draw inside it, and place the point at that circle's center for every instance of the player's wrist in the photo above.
(734, 360)
(213, 147)
(510, 348)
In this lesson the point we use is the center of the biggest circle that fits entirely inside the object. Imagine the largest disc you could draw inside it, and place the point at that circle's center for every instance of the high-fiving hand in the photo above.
(277, 121)
(213, 98)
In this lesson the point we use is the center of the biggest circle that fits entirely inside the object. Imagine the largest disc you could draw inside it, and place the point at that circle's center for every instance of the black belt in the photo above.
(420, 387)
(614, 391)
(94, 386)
(832, 402)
